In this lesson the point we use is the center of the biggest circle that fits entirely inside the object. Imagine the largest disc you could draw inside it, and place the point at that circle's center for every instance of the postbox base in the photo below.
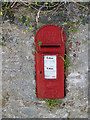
(50, 97)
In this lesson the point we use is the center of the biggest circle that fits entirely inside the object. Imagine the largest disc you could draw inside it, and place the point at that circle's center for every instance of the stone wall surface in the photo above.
(18, 78)
(0, 78)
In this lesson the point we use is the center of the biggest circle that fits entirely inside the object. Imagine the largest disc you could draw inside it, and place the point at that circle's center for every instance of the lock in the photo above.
(49, 66)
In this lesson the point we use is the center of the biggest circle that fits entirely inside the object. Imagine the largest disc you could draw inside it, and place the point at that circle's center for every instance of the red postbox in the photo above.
(49, 65)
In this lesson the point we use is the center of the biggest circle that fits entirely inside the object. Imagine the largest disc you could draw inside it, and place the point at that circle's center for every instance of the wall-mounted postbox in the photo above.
(49, 65)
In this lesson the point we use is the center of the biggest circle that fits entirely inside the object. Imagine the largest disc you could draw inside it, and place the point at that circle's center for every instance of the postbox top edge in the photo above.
(48, 26)
(54, 26)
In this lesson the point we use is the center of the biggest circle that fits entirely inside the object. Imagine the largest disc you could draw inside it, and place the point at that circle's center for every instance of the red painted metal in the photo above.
(52, 43)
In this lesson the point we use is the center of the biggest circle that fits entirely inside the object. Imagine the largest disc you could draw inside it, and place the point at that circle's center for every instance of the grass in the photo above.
(52, 103)
(66, 62)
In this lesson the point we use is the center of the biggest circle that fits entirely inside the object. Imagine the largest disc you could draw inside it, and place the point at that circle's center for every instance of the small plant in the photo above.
(75, 29)
(6, 11)
(77, 22)
(83, 22)
(22, 19)
(52, 103)
(81, 17)
(69, 31)
(66, 62)
(35, 4)
(39, 43)
(38, 24)
(62, 15)
(35, 51)
(1, 13)
(2, 42)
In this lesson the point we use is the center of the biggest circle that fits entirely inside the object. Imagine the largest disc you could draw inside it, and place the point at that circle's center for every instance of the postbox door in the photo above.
(49, 76)
(40, 85)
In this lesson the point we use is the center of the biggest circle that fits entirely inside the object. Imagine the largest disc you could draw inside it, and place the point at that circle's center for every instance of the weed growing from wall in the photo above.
(8, 9)
(52, 103)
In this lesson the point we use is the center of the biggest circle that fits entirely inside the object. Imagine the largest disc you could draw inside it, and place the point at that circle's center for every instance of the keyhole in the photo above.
(40, 72)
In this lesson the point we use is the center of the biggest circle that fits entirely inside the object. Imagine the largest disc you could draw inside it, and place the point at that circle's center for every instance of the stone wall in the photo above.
(18, 72)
